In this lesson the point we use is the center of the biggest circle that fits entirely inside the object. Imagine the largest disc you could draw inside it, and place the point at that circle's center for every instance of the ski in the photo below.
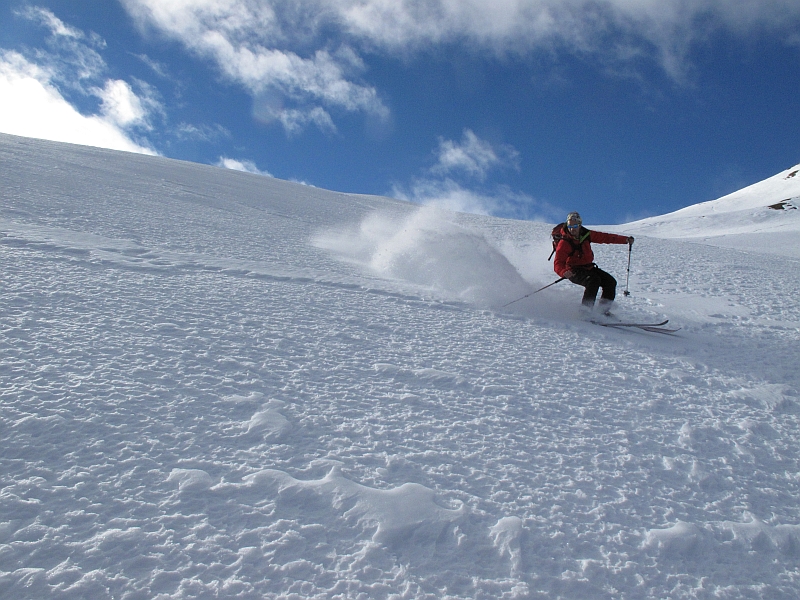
(653, 327)
(667, 330)
(616, 324)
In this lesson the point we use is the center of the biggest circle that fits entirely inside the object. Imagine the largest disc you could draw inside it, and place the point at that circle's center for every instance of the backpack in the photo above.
(558, 234)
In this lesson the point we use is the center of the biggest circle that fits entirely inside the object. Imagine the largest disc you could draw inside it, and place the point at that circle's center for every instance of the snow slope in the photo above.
(763, 217)
(220, 385)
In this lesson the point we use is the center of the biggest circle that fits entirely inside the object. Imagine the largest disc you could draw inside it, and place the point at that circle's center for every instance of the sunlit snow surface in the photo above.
(219, 385)
(763, 217)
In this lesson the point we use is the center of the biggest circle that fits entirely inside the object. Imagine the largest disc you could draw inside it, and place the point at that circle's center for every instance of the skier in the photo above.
(574, 260)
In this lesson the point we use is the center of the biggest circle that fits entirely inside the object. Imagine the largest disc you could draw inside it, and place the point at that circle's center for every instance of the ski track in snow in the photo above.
(220, 385)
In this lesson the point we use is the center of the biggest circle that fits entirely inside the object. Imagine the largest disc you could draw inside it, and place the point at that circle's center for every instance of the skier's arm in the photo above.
(560, 260)
(598, 237)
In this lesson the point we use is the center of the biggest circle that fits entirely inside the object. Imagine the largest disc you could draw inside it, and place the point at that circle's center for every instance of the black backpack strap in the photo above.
(557, 236)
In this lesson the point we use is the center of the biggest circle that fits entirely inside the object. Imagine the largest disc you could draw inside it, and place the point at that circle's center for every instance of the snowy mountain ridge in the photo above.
(219, 385)
(761, 217)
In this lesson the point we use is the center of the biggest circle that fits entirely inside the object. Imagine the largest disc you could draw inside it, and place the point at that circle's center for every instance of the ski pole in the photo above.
(626, 293)
(535, 292)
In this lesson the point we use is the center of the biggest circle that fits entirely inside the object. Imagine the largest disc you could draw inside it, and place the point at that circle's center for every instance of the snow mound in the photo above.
(191, 480)
(268, 421)
(405, 514)
(716, 540)
(505, 535)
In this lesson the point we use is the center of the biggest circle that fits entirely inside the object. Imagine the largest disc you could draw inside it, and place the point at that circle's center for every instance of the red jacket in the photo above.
(573, 254)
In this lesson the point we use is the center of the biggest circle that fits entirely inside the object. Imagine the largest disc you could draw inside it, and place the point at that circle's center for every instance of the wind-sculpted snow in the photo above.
(750, 538)
(396, 515)
(219, 385)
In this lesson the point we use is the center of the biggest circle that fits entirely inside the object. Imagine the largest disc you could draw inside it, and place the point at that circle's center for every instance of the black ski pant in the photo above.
(593, 279)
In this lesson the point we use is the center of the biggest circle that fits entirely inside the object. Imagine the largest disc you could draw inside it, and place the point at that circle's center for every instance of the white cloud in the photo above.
(448, 195)
(518, 26)
(474, 156)
(251, 43)
(294, 120)
(121, 105)
(46, 18)
(258, 42)
(203, 132)
(73, 58)
(34, 91)
(157, 67)
(500, 201)
(31, 106)
(247, 166)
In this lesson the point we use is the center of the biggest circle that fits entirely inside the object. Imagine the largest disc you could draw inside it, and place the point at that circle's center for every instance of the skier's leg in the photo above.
(590, 280)
(609, 285)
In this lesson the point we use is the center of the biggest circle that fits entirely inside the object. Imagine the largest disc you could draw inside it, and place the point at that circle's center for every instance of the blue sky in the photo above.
(517, 108)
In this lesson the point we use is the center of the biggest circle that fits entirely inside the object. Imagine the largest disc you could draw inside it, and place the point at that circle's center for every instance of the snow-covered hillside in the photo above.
(220, 385)
(763, 217)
